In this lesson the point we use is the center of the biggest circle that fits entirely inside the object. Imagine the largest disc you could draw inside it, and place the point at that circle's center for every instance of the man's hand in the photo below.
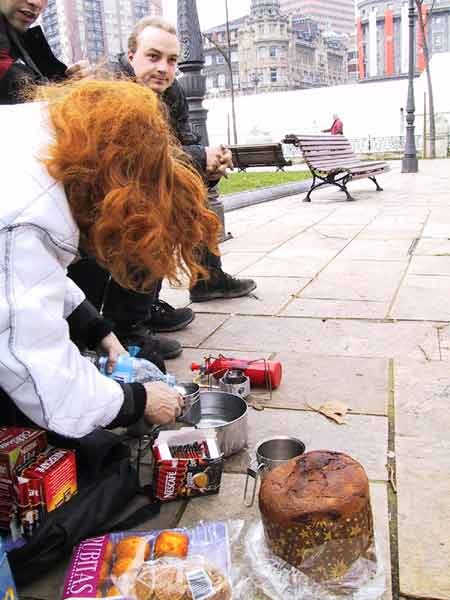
(79, 70)
(113, 348)
(163, 405)
(218, 160)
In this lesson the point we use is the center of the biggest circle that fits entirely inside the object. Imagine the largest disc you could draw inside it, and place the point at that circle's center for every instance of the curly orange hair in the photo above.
(139, 204)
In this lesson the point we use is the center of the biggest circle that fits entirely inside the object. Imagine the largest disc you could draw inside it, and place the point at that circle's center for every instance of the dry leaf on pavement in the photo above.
(333, 410)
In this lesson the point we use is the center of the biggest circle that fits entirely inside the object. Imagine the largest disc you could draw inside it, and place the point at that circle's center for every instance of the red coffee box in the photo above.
(52, 479)
(188, 463)
(17, 446)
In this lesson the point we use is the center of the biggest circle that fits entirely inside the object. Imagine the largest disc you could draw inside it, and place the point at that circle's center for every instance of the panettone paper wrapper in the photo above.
(100, 570)
(365, 579)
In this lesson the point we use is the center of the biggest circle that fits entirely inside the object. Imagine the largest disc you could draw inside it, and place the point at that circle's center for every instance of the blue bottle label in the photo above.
(123, 371)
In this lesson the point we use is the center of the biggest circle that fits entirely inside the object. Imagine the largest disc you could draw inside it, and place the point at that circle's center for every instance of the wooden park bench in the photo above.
(259, 155)
(331, 160)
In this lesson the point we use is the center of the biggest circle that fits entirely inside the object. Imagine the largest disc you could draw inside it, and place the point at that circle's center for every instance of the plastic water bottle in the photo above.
(130, 369)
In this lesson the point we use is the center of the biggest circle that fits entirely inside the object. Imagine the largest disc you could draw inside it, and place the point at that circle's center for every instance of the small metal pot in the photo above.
(191, 394)
(271, 453)
(226, 414)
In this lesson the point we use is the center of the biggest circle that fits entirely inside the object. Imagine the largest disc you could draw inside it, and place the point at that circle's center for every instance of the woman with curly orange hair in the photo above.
(98, 170)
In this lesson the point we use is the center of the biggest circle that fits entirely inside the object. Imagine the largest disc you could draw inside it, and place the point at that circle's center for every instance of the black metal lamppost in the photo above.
(410, 162)
(194, 83)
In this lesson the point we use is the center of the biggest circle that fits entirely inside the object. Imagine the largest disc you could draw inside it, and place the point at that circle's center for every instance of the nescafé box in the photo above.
(188, 463)
(54, 476)
(7, 587)
(18, 445)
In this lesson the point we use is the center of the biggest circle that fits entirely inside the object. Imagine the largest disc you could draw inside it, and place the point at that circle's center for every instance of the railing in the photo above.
(368, 145)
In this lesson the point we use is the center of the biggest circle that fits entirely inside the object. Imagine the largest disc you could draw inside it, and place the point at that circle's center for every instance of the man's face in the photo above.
(155, 60)
(20, 14)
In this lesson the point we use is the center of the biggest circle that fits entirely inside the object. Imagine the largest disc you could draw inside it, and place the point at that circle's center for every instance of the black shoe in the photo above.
(221, 286)
(153, 348)
(167, 318)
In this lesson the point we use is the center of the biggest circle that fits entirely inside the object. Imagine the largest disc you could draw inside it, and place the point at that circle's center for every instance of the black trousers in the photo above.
(123, 307)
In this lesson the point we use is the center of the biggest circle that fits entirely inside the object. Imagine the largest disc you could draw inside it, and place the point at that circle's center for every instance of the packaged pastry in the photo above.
(178, 579)
(109, 566)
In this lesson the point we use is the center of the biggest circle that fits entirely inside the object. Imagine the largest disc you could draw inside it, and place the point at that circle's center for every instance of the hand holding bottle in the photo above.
(164, 404)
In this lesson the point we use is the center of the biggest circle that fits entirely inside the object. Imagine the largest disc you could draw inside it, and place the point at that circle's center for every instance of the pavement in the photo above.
(353, 299)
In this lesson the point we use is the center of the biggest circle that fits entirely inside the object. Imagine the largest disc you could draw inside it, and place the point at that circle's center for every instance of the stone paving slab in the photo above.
(285, 266)
(337, 231)
(422, 393)
(360, 383)
(329, 337)
(430, 265)
(265, 238)
(376, 250)
(234, 262)
(424, 518)
(357, 280)
(433, 247)
(351, 214)
(444, 341)
(312, 243)
(199, 332)
(270, 296)
(363, 437)
(423, 298)
(332, 309)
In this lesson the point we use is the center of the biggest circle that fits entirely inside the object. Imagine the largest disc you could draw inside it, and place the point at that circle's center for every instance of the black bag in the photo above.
(107, 481)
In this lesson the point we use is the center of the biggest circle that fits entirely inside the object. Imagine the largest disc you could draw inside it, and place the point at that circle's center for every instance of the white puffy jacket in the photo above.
(40, 368)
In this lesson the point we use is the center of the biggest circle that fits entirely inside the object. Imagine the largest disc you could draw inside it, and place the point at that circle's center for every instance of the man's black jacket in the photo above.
(25, 58)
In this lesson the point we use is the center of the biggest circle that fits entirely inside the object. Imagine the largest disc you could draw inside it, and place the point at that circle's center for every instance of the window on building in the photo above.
(220, 60)
(273, 75)
(208, 60)
(274, 51)
(262, 52)
(234, 56)
(209, 83)
(221, 81)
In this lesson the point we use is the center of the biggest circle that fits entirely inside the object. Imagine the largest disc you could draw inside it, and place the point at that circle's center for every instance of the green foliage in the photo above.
(241, 182)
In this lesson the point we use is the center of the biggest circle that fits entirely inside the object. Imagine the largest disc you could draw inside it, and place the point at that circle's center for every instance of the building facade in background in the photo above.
(273, 51)
(96, 30)
(383, 37)
(332, 15)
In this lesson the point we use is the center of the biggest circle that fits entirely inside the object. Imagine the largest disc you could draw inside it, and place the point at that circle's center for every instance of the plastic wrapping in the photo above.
(109, 566)
(193, 578)
(365, 580)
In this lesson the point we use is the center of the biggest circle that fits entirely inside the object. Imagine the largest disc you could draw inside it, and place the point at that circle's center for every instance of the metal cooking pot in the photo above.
(226, 414)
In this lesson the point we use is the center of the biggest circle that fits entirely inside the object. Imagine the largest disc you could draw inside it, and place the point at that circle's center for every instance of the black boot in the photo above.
(154, 348)
(220, 285)
(164, 317)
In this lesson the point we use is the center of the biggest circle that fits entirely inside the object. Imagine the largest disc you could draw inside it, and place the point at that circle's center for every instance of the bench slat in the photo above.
(346, 163)
(338, 154)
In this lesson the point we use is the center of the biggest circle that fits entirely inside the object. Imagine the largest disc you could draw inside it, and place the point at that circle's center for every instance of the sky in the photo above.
(210, 12)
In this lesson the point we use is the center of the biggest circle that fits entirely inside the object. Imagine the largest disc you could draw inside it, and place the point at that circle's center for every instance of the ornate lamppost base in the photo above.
(216, 205)
(410, 165)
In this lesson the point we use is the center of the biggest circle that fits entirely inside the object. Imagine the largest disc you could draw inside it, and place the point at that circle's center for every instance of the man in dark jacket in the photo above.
(153, 54)
(25, 56)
